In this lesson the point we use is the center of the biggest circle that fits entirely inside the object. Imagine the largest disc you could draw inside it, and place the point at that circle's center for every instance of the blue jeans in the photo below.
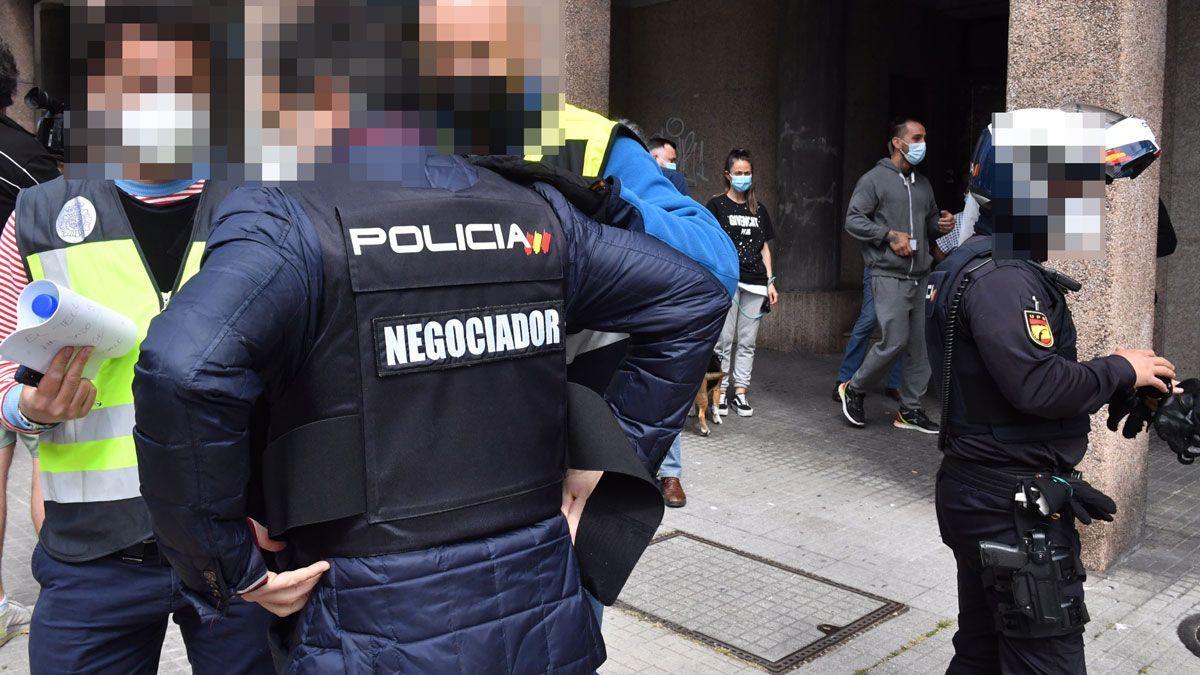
(110, 616)
(672, 464)
(597, 607)
(860, 340)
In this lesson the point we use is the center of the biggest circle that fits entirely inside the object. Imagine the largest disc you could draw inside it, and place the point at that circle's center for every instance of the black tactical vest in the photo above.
(431, 406)
(976, 404)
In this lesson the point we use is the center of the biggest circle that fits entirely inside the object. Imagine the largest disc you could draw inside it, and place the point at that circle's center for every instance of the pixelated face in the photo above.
(146, 112)
(376, 86)
(1048, 200)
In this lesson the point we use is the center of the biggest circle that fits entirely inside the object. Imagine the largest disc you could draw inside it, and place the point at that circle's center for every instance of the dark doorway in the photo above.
(941, 61)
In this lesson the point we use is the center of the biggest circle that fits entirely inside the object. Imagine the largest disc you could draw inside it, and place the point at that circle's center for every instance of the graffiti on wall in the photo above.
(689, 148)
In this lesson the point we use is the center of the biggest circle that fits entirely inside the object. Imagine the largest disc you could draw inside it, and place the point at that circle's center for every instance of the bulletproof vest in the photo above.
(976, 404)
(76, 234)
(431, 404)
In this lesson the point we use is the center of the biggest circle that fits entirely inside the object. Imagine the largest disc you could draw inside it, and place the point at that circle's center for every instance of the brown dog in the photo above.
(706, 398)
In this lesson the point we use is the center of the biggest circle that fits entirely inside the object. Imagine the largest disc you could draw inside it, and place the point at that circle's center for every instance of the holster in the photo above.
(1029, 578)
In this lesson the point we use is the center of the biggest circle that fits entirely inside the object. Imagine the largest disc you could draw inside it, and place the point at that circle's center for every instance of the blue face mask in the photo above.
(670, 165)
(916, 153)
(741, 183)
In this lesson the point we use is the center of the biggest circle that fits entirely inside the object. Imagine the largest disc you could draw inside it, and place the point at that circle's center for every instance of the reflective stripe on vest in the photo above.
(93, 459)
(596, 130)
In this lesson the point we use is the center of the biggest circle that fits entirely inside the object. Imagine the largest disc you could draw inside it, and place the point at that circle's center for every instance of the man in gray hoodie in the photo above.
(894, 214)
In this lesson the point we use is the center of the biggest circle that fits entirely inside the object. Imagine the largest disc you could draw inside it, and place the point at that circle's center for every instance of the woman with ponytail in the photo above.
(746, 222)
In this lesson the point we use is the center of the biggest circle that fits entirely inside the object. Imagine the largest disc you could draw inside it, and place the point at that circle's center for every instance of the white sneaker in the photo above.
(14, 621)
(742, 406)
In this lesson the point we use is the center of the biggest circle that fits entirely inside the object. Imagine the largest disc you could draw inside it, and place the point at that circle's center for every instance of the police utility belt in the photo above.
(1029, 578)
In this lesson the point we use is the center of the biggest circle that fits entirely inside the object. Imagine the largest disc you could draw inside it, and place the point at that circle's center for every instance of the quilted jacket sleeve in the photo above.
(671, 306)
(236, 328)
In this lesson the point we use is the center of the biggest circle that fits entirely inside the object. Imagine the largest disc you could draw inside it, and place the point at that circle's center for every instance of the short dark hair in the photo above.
(898, 126)
(8, 75)
(658, 142)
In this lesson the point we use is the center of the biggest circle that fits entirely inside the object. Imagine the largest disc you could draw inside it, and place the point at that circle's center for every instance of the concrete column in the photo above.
(586, 52)
(1178, 311)
(809, 163)
(1107, 53)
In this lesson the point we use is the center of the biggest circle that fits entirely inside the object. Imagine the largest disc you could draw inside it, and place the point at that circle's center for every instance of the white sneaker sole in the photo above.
(912, 427)
(845, 411)
(744, 413)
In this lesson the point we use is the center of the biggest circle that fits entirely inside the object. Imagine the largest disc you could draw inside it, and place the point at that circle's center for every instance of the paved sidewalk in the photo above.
(795, 485)
(797, 488)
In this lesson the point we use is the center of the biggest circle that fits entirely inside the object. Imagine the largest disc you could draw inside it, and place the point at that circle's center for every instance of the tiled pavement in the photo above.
(794, 485)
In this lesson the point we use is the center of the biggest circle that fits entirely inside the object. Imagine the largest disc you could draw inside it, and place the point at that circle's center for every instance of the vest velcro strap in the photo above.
(623, 511)
(1046, 430)
(307, 481)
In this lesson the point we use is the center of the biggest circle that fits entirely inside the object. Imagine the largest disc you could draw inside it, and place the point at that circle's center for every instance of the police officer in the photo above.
(106, 593)
(399, 346)
(1016, 398)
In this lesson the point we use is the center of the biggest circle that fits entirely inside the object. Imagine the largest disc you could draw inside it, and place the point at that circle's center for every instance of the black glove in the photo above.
(1135, 405)
(1056, 493)
(590, 198)
(1087, 502)
(1176, 421)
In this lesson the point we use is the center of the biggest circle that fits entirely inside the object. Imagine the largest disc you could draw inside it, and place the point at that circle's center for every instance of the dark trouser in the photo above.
(110, 616)
(967, 516)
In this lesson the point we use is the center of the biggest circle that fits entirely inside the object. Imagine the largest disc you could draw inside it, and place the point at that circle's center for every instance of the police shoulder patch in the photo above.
(1038, 328)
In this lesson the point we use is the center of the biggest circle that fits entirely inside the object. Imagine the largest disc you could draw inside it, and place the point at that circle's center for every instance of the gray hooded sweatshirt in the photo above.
(885, 199)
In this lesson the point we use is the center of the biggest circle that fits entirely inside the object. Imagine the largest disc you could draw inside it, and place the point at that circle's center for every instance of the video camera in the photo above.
(50, 126)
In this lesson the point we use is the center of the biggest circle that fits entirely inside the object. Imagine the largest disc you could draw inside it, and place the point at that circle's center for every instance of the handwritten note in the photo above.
(76, 321)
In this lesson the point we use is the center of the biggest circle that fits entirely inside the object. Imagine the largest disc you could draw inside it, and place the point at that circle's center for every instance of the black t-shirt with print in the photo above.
(748, 232)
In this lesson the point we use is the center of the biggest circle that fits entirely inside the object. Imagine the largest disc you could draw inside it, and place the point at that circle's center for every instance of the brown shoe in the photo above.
(672, 492)
(837, 397)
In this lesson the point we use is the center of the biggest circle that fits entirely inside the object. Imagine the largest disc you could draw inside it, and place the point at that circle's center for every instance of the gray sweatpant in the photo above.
(744, 325)
(900, 308)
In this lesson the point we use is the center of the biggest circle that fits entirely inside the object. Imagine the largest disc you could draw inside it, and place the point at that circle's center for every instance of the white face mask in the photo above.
(167, 128)
(280, 162)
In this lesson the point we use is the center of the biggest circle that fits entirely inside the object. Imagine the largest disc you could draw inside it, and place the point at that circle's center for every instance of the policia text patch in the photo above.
(465, 337)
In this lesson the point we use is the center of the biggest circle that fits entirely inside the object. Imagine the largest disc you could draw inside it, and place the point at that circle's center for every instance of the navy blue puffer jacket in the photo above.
(507, 603)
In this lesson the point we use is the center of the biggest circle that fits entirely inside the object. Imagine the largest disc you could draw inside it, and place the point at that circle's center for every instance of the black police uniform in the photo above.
(1016, 406)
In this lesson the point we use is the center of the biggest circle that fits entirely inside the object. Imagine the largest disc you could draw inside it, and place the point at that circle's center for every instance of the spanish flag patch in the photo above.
(1038, 327)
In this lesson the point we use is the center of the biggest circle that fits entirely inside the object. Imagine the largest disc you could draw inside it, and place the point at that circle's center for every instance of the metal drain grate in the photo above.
(761, 611)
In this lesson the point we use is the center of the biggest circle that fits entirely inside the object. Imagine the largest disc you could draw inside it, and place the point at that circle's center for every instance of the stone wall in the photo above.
(586, 50)
(1054, 57)
(704, 73)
